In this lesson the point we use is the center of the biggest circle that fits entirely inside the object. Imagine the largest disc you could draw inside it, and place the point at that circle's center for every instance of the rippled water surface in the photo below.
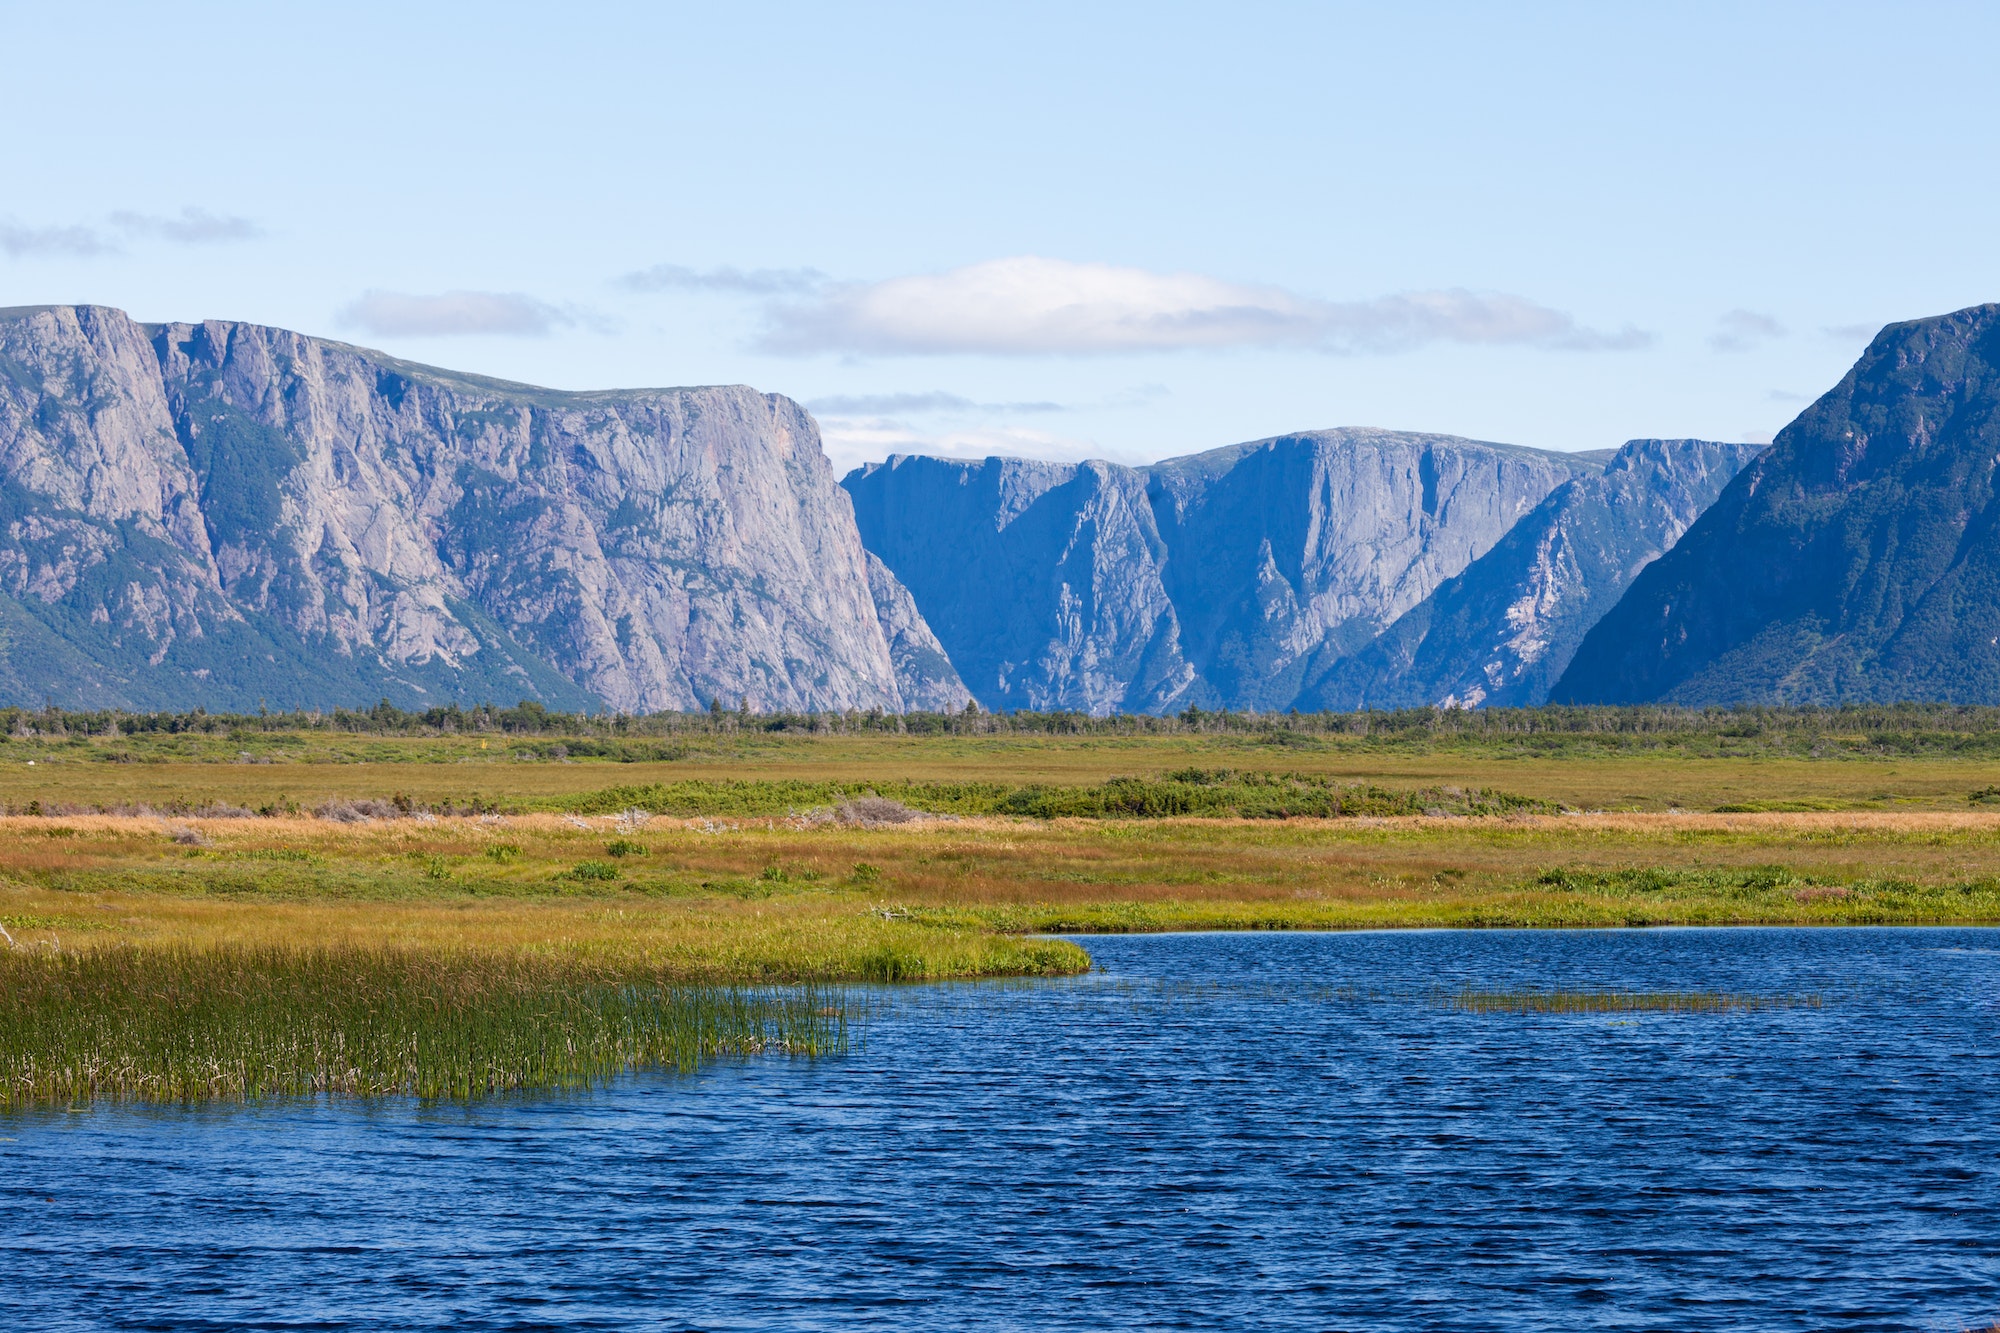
(1213, 1131)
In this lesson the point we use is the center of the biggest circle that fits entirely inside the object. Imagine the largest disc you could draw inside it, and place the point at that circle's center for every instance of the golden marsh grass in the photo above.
(536, 922)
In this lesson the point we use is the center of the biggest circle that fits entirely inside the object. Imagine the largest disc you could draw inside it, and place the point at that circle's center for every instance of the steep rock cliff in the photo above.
(1040, 580)
(925, 677)
(1500, 633)
(1291, 553)
(222, 513)
(1855, 560)
(1235, 577)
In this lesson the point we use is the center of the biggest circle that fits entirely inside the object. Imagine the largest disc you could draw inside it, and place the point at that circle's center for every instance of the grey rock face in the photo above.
(1235, 577)
(111, 590)
(1291, 553)
(1041, 580)
(925, 676)
(1501, 632)
(222, 512)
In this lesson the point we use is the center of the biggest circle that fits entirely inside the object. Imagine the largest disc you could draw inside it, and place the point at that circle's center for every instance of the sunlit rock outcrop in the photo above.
(223, 513)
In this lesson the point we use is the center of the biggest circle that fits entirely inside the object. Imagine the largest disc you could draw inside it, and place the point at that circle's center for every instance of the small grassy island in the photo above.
(456, 902)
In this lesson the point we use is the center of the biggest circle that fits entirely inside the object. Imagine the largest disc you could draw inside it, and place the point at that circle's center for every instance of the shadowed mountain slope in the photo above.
(1231, 578)
(1040, 580)
(1855, 560)
(1500, 633)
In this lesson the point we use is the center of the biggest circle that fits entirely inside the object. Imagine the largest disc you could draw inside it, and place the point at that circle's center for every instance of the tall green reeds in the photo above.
(184, 1025)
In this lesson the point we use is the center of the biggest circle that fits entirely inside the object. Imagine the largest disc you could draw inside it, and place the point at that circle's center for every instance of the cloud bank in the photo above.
(453, 314)
(750, 282)
(934, 401)
(194, 226)
(19, 241)
(851, 441)
(1030, 306)
(1742, 330)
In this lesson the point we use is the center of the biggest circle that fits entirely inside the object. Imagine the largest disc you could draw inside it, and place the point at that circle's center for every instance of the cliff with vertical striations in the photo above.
(1231, 578)
(223, 514)
(1501, 632)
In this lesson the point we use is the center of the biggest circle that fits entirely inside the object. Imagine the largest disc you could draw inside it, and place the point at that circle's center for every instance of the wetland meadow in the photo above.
(504, 1019)
(597, 883)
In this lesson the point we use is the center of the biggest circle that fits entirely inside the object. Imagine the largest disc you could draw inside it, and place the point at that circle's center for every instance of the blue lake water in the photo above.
(1212, 1131)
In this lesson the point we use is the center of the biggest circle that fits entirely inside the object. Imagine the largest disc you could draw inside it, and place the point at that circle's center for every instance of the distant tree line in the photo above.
(1879, 723)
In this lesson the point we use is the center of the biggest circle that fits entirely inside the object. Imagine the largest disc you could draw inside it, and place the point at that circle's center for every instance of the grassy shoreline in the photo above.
(600, 909)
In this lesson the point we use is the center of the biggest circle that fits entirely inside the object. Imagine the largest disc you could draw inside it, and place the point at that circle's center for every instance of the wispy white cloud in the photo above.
(1029, 306)
(194, 226)
(1741, 330)
(749, 282)
(1852, 332)
(19, 241)
(935, 401)
(852, 441)
(865, 428)
(454, 314)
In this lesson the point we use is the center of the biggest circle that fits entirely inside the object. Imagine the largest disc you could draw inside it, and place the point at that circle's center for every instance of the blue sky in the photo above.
(1063, 231)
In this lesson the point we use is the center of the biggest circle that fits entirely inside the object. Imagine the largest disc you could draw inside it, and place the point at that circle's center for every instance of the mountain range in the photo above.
(1222, 579)
(228, 515)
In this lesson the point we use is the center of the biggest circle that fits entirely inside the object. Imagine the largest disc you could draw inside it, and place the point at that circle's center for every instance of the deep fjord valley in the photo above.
(859, 668)
(226, 516)
(1414, 874)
